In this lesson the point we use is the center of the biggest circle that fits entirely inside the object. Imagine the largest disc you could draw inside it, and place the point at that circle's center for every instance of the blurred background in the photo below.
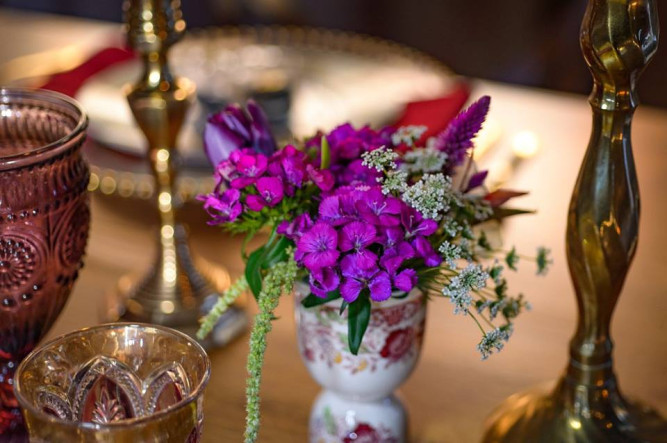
(527, 42)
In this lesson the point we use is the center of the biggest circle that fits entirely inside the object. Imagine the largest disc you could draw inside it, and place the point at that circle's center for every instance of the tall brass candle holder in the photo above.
(173, 291)
(618, 39)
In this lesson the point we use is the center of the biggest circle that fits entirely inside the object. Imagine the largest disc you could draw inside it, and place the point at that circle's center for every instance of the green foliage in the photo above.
(313, 300)
(359, 313)
(512, 258)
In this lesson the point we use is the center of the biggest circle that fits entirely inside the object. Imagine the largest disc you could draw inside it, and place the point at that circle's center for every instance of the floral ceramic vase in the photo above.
(357, 403)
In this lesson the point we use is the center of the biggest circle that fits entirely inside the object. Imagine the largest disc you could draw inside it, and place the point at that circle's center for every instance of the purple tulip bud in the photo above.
(233, 128)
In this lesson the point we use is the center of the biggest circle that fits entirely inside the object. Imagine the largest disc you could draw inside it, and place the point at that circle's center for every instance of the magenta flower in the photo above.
(223, 208)
(270, 191)
(233, 129)
(317, 247)
(323, 178)
(249, 168)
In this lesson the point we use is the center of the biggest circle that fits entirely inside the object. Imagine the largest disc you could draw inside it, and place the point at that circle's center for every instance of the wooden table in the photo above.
(451, 391)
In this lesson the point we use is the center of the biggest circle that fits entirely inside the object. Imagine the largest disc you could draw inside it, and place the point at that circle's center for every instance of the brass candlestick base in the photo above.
(177, 302)
(592, 414)
(618, 38)
(173, 293)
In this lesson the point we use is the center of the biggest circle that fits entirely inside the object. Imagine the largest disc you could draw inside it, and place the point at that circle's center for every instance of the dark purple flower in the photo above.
(232, 129)
(293, 229)
(317, 247)
(223, 208)
(270, 193)
(394, 258)
(323, 281)
(457, 138)
(356, 172)
(406, 280)
(425, 250)
(393, 240)
(356, 278)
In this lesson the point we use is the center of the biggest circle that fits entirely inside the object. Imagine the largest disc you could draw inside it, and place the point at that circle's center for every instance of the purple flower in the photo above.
(317, 247)
(393, 240)
(357, 278)
(270, 193)
(338, 209)
(377, 209)
(406, 280)
(295, 228)
(356, 235)
(223, 208)
(356, 172)
(394, 258)
(457, 138)
(233, 129)
(323, 281)
(415, 224)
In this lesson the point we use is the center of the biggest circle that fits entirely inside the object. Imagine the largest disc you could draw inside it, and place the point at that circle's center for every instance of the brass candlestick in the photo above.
(173, 292)
(618, 39)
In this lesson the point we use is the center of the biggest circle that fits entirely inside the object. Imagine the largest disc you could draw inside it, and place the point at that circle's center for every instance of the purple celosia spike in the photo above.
(457, 138)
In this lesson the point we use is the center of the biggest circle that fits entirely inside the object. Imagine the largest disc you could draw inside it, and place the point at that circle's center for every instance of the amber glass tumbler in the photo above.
(44, 220)
(115, 383)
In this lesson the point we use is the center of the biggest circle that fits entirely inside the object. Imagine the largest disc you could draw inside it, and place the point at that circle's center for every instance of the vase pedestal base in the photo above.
(334, 418)
(574, 414)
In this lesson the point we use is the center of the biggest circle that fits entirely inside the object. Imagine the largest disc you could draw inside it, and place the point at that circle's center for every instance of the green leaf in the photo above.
(342, 307)
(277, 253)
(313, 300)
(325, 153)
(359, 314)
(253, 271)
(501, 213)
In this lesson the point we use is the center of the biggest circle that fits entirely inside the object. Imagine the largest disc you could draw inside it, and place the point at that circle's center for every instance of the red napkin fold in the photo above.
(69, 82)
(435, 113)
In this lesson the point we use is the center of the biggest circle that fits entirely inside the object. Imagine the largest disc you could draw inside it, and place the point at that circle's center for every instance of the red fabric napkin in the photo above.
(69, 82)
(434, 114)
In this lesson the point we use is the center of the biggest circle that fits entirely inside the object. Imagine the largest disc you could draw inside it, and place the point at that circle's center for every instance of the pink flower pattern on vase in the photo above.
(384, 343)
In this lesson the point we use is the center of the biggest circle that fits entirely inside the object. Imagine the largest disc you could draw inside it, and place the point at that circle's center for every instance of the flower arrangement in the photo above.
(362, 215)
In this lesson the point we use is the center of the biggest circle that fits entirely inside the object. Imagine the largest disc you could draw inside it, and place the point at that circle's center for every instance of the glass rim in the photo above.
(192, 396)
(6, 93)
